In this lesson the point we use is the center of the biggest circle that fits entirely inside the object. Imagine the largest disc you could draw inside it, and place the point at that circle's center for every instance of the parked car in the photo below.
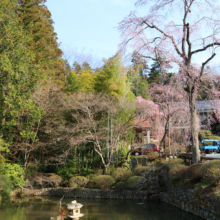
(210, 146)
(147, 148)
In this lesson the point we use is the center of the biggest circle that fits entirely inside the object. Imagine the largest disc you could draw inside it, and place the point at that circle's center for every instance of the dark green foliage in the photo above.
(155, 75)
(72, 168)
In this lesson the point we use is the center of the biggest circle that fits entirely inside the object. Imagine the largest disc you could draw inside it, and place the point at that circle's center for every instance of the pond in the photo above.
(42, 208)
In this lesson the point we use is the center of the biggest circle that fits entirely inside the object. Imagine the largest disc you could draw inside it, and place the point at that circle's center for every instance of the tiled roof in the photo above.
(141, 123)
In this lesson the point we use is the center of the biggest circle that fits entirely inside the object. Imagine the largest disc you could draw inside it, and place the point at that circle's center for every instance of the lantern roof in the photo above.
(74, 205)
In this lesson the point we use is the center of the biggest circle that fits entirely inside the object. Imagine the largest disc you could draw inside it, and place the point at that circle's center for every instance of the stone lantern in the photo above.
(74, 210)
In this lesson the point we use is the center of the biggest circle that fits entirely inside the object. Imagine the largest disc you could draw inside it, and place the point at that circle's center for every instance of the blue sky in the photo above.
(89, 25)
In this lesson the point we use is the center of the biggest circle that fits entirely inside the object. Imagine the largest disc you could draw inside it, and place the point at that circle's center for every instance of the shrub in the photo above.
(173, 163)
(92, 176)
(73, 185)
(15, 173)
(192, 171)
(121, 174)
(109, 170)
(210, 171)
(104, 181)
(90, 184)
(135, 182)
(120, 186)
(152, 155)
(178, 173)
(54, 179)
(175, 170)
(80, 181)
(5, 185)
(140, 171)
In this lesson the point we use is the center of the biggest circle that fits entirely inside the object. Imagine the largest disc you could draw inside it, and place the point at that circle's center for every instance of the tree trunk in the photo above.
(194, 128)
(105, 168)
(163, 140)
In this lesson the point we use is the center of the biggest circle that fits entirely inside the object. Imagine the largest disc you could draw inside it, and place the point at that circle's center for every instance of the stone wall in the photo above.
(83, 193)
(188, 200)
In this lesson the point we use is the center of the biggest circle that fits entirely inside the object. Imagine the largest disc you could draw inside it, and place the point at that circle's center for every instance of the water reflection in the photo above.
(42, 208)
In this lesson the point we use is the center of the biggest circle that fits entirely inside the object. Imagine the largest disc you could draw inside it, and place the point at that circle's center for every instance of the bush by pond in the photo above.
(121, 174)
(120, 186)
(54, 180)
(78, 181)
(104, 181)
(134, 182)
(192, 171)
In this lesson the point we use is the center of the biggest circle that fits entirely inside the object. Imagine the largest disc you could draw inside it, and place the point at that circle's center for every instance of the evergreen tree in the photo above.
(138, 77)
(37, 22)
(18, 73)
(156, 76)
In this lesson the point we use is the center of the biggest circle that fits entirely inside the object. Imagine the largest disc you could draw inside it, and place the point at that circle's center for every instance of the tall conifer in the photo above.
(17, 70)
(37, 22)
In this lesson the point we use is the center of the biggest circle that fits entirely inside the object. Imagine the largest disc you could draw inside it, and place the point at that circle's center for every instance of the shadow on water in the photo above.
(42, 208)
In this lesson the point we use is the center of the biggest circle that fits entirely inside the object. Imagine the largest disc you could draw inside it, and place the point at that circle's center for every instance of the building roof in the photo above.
(141, 123)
